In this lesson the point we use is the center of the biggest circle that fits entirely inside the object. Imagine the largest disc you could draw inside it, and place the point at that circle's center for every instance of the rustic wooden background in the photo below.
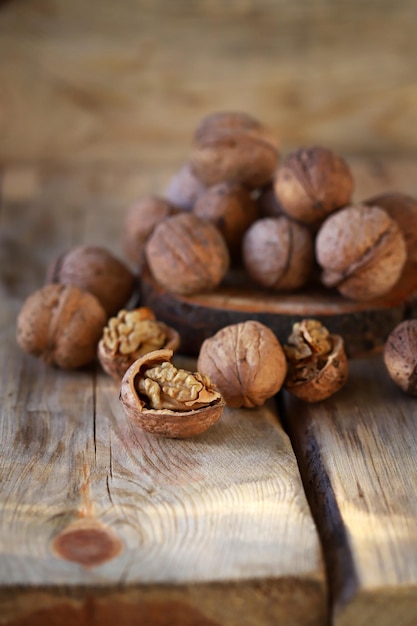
(106, 81)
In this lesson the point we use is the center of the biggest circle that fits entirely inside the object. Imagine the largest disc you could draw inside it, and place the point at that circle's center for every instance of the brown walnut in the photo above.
(184, 189)
(278, 253)
(229, 207)
(317, 362)
(139, 223)
(166, 401)
(130, 335)
(361, 251)
(187, 255)
(96, 270)
(400, 356)
(233, 147)
(246, 363)
(61, 325)
(311, 183)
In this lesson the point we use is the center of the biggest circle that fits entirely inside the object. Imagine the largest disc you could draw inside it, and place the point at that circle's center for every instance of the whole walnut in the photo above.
(61, 325)
(139, 222)
(361, 251)
(400, 356)
(187, 255)
(403, 209)
(278, 253)
(231, 208)
(233, 147)
(96, 270)
(246, 363)
(311, 183)
(184, 189)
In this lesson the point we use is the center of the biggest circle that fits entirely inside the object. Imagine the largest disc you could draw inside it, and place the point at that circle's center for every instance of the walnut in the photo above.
(130, 335)
(233, 147)
(400, 356)
(61, 325)
(96, 270)
(184, 189)
(402, 209)
(139, 223)
(361, 251)
(312, 183)
(246, 363)
(278, 253)
(187, 255)
(317, 362)
(229, 207)
(166, 401)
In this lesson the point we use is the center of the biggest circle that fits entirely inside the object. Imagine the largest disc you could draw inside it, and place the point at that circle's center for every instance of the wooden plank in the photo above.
(99, 86)
(102, 522)
(357, 455)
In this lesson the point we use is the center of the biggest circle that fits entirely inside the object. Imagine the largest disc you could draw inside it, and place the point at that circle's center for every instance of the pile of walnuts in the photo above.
(233, 204)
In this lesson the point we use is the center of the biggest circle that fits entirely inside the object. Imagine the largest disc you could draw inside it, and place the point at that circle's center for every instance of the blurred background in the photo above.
(127, 81)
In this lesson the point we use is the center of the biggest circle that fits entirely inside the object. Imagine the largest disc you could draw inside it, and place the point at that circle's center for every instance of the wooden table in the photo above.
(287, 514)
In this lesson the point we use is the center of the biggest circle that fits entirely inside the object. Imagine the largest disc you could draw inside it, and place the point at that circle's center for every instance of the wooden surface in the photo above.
(211, 531)
(100, 521)
(357, 452)
(131, 80)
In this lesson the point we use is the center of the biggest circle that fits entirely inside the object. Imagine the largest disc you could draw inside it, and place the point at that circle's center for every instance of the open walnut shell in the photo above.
(317, 362)
(166, 401)
(129, 336)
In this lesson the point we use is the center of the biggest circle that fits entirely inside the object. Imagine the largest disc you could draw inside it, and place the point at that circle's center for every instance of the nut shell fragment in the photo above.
(317, 362)
(186, 403)
(246, 363)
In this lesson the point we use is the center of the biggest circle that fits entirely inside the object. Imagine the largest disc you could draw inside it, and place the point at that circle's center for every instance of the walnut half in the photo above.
(317, 362)
(130, 335)
(167, 401)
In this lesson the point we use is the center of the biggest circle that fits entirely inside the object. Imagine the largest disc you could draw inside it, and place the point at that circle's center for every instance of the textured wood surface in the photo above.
(132, 79)
(357, 452)
(161, 515)
(100, 521)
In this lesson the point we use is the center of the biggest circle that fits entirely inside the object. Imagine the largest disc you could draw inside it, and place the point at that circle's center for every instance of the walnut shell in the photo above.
(139, 223)
(400, 356)
(130, 335)
(196, 404)
(278, 253)
(96, 270)
(361, 251)
(184, 189)
(233, 147)
(402, 209)
(61, 325)
(231, 208)
(317, 363)
(187, 255)
(246, 363)
(311, 183)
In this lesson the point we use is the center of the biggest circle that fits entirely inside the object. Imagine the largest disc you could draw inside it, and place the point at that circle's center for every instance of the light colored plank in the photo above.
(357, 451)
(215, 530)
(132, 83)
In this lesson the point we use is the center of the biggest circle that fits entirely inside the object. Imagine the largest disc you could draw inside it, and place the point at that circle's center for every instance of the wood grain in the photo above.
(99, 86)
(357, 454)
(101, 522)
